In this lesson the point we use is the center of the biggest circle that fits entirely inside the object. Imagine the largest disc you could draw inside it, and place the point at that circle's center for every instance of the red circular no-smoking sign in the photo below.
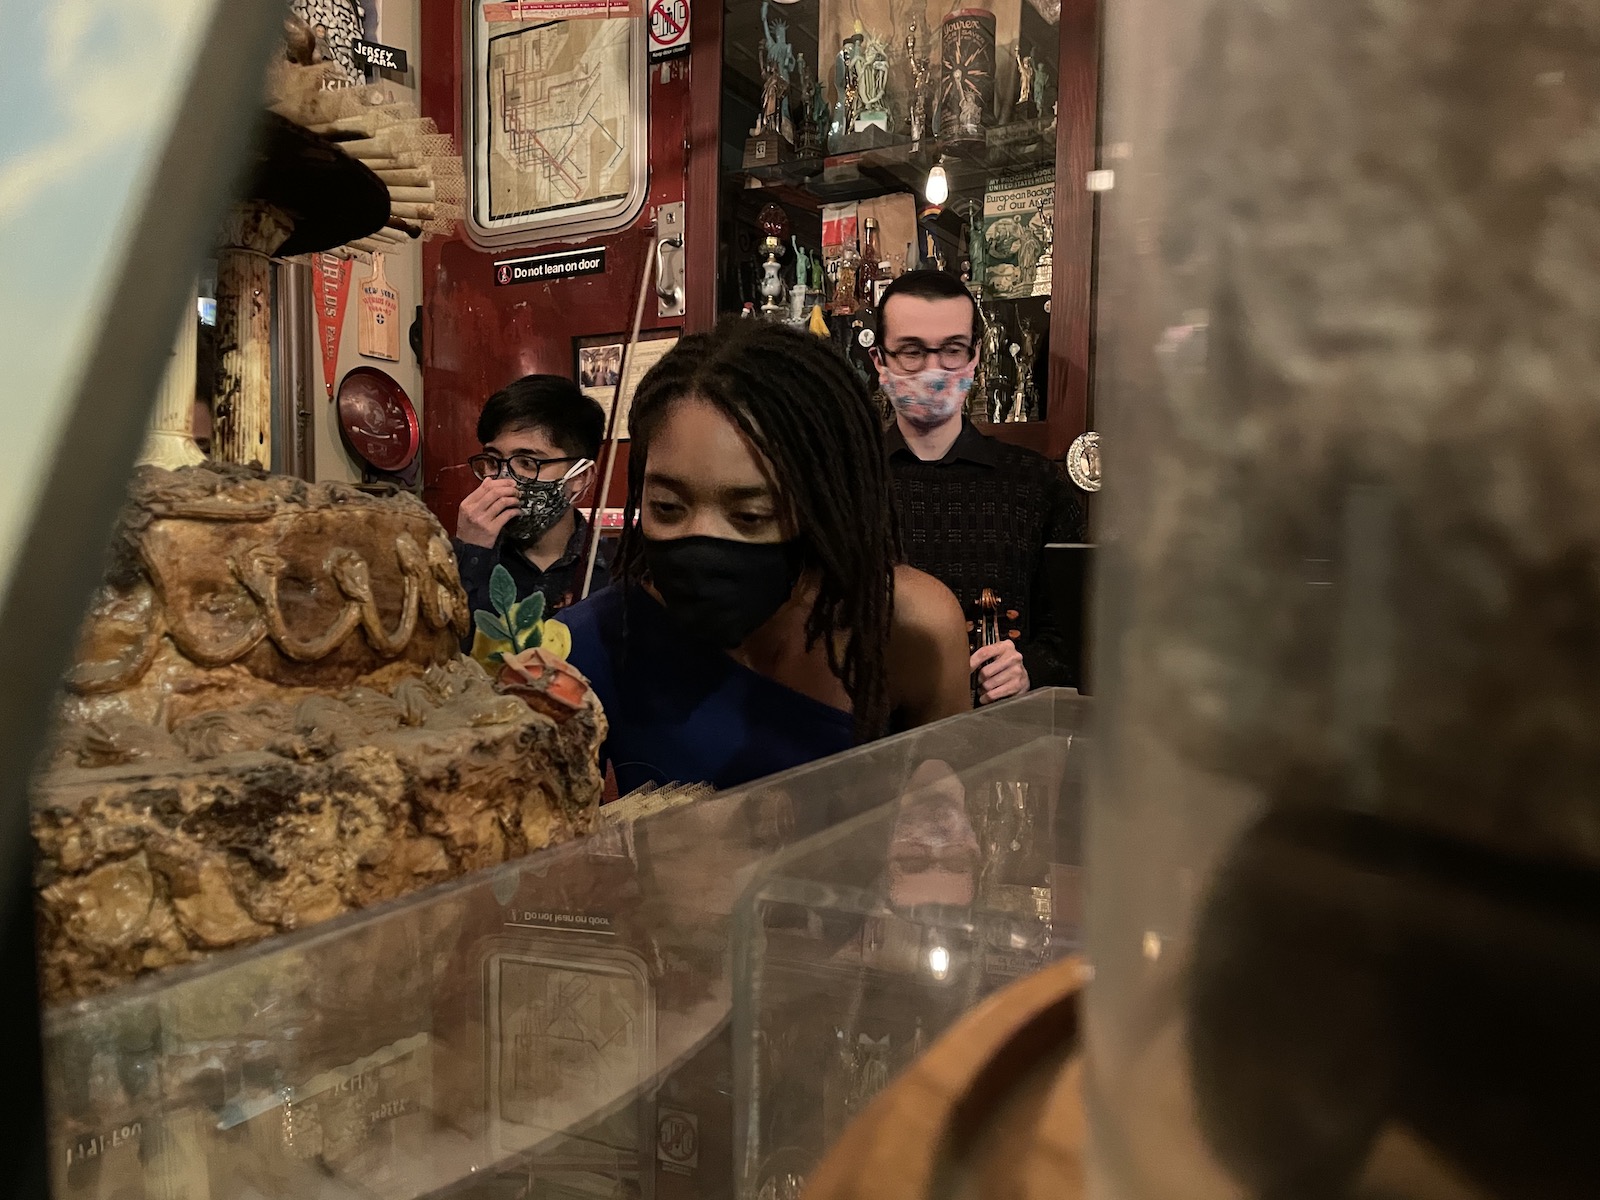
(669, 22)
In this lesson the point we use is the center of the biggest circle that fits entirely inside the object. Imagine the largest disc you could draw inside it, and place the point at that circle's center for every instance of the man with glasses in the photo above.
(541, 437)
(975, 513)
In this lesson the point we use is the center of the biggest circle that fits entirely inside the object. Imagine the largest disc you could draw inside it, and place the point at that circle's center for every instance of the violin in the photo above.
(988, 630)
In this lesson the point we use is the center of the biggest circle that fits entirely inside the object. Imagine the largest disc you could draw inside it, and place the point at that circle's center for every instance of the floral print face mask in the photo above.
(929, 397)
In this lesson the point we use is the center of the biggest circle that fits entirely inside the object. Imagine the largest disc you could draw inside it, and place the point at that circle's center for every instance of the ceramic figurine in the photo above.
(918, 118)
(977, 247)
(1025, 108)
(989, 387)
(848, 106)
(1024, 396)
(777, 64)
(871, 70)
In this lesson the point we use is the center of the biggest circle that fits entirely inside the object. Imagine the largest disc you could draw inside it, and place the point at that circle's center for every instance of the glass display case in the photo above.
(863, 139)
(856, 947)
(689, 1005)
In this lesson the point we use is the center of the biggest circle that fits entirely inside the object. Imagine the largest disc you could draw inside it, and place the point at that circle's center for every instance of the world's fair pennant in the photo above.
(333, 290)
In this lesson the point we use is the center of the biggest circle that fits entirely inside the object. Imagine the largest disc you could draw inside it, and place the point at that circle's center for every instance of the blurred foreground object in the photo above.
(1345, 842)
(111, 193)
(991, 1110)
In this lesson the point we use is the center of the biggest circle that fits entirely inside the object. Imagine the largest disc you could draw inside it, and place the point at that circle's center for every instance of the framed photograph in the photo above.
(598, 366)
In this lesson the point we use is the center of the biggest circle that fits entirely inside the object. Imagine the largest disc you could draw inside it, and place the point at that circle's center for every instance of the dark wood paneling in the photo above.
(704, 143)
(1034, 435)
(1072, 302)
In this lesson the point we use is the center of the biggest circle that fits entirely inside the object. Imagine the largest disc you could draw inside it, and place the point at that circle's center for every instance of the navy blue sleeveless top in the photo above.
(682, 711)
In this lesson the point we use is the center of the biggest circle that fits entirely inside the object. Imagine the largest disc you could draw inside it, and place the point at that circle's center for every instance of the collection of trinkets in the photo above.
(937, 91)
(834, 294)
(945, 87)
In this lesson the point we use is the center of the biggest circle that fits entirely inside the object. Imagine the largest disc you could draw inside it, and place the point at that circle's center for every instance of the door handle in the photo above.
(668, 289)
(670, 265)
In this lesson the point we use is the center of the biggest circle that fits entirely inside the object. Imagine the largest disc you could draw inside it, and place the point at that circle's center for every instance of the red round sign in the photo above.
(669, 22)
(378, 420)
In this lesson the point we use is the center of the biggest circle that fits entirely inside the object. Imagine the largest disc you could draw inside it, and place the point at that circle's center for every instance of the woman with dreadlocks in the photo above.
(762, 618)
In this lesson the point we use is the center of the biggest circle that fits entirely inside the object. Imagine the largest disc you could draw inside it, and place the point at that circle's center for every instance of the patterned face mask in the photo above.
(542, 503)
(930, 397)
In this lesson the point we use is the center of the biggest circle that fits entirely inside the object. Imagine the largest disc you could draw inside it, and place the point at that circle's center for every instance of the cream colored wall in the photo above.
(330, 459)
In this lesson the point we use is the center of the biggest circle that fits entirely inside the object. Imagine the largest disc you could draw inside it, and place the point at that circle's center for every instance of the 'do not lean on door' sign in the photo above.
(669, 28)
(551, 268)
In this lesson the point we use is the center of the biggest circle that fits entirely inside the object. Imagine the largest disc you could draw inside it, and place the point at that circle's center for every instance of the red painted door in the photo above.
(479, 335)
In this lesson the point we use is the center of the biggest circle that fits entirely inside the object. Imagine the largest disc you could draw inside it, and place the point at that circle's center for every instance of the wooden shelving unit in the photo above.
(722, 223)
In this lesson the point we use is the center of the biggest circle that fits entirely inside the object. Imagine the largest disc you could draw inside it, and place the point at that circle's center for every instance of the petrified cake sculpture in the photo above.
(269, 723)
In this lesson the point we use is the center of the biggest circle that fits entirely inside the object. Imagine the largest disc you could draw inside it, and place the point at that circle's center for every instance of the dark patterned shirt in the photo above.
(980, 517)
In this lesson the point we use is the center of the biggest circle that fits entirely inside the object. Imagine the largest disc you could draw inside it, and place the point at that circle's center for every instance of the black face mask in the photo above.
(720, 590)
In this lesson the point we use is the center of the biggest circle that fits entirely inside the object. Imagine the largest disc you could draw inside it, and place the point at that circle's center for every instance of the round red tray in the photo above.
(378, 420)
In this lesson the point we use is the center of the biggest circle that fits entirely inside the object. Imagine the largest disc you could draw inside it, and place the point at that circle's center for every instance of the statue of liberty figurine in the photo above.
(820, 113)
(777, 65)
(779, 53)
(977, 247)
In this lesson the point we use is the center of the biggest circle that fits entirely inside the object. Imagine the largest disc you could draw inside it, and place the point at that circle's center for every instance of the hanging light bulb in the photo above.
(937, 189)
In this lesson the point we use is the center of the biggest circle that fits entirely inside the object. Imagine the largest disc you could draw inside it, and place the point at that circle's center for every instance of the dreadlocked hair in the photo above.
(804, 408)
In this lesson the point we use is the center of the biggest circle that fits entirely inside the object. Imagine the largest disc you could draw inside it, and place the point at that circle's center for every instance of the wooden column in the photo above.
(170, 442)
(243, 406)
(703, 171)
(1077, 153)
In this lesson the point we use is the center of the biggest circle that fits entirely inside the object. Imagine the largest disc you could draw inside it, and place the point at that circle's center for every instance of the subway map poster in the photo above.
(555, 133)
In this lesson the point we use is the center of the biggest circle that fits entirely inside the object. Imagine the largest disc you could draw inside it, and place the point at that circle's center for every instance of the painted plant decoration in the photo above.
(515, 626)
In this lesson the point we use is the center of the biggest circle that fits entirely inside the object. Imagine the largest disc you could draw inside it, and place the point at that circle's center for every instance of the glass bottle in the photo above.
(871, 269)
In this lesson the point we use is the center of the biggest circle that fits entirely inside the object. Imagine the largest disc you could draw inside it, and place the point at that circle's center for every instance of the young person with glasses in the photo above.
(975, 513)
(541, 437)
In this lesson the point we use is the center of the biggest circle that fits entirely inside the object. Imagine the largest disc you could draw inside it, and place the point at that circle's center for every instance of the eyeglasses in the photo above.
(914, 357)
(527, 467)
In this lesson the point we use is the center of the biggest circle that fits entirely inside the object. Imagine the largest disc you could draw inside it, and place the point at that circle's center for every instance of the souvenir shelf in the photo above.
(835, 113)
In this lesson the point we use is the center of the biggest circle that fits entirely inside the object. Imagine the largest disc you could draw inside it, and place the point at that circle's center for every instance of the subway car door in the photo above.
(574, 135)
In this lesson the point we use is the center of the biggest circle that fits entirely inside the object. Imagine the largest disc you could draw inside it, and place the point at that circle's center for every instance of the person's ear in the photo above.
(581, 485)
